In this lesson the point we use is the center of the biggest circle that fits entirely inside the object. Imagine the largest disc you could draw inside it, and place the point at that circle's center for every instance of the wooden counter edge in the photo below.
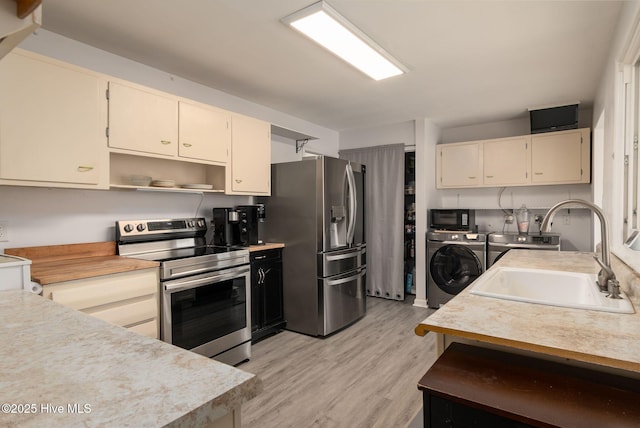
(266, 246)
(422, 329)
(48, 253)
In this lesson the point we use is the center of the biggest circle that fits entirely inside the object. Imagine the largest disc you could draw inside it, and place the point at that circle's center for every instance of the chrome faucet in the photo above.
(606, 278)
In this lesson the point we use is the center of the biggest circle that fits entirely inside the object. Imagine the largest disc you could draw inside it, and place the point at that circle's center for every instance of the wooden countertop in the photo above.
(265, 246)
(58, 263)
(602, 338)
(55, 355)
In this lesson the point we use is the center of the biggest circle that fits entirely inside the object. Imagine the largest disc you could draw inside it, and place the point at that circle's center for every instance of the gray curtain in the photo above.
(384, 205)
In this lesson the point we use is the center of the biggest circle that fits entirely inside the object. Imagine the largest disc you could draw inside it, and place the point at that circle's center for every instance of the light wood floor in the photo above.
(363, 376)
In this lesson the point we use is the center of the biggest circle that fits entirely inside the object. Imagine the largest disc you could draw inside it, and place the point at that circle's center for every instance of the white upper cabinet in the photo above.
(250, 172)
(150, 122)
(561, 157)
(142, 120)
(52, 118)
(204, 133)
(506, 162)
(459, 165)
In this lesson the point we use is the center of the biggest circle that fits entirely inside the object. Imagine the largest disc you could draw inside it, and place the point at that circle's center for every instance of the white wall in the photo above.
(609, 117)
(41, 216)
(396, 133)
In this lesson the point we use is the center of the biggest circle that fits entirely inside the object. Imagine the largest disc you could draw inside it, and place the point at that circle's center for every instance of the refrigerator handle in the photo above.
(360, 274)
(353, 204)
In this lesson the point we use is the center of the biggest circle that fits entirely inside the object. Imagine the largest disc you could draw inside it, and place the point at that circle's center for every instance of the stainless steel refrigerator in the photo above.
(316, 208)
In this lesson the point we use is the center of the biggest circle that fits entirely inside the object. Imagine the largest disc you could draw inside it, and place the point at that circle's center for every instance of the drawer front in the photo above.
(149, 329)
(128, 314)
(103, 290)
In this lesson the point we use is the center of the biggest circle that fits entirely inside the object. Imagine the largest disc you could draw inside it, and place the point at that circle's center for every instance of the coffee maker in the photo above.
(226, 227)
(250, 218)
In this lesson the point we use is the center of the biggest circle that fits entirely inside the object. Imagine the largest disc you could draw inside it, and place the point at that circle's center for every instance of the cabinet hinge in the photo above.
(106, 132)
(106, 93)
(635, 142)
(626, 160)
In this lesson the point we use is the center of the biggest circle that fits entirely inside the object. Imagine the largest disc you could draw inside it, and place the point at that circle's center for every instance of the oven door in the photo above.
(209, 313)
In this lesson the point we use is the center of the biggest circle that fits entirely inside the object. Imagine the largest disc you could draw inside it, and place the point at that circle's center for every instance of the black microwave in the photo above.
(454, 219)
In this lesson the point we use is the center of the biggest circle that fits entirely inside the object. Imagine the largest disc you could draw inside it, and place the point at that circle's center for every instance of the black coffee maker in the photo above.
(250, 218)
(226, 227)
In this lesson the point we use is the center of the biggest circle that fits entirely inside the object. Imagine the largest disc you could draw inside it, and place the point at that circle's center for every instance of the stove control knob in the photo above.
(189, 223)
(128, 228)
(200, 223)
(140, 227)
(522, 239)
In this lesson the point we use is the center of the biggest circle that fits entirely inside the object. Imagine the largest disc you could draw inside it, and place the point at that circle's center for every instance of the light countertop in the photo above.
(603, 338)
(54, 356)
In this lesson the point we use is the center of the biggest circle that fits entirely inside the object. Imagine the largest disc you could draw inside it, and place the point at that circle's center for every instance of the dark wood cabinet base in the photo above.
(469, 386)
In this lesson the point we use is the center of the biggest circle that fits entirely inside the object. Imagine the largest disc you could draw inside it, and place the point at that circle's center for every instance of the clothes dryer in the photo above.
(454, 260)
(498, 244)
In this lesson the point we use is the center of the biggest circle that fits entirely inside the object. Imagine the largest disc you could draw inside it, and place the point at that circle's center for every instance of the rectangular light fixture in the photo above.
(327, 27)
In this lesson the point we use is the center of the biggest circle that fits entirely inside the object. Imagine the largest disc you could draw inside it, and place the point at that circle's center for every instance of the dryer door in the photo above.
(453, 267)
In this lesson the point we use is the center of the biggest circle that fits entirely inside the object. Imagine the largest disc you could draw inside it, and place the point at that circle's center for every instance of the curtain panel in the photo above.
(384, 204)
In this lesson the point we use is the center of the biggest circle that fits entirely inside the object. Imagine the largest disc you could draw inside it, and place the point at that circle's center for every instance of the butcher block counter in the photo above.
(609, 341)
(265, 246)
(59, 263)
(61, 367)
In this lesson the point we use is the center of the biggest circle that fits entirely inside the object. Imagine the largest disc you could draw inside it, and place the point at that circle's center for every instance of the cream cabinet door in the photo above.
(51, 126)
(250, 172)
(506, 162)
(204, 133)
(459, 165)
(142, 120)
(561, 157)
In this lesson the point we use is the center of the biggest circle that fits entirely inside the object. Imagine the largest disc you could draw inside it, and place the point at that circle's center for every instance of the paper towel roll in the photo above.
(34, 287)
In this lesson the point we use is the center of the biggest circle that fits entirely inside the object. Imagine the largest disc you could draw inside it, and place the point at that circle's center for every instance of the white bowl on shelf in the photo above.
(139, 180)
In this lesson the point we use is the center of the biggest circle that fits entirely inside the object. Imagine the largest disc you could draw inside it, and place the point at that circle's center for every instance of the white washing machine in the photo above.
(498, 244)
(454, 260)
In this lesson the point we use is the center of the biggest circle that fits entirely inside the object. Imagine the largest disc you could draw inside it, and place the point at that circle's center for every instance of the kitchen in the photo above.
(42, 216)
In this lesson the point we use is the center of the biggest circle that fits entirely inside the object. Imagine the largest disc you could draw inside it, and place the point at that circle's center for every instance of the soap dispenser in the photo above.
(522, 217)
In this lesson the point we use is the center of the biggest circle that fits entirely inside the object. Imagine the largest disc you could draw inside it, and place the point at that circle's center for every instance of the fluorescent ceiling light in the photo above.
(327, 27)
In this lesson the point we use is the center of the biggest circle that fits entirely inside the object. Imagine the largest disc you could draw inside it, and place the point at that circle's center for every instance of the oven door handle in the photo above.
(180, 285)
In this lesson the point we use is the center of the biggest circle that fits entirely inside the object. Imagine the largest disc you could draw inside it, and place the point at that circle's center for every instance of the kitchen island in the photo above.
(61, 367)
(607, 341)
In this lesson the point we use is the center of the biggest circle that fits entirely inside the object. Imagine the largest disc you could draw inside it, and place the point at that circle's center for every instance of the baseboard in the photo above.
(421, 303)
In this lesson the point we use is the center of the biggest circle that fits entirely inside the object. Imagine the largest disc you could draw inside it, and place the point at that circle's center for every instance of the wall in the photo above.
(608, 113)
(42, 216)
(397, 133)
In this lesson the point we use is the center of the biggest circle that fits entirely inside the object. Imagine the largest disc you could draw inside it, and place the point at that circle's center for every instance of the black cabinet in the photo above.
(267, 313)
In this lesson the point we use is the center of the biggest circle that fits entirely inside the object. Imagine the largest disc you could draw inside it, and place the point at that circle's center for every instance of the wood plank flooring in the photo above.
(363, 376)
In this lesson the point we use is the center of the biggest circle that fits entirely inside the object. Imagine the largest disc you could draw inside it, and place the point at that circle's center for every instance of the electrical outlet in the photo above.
(566, 220)
(4, 231)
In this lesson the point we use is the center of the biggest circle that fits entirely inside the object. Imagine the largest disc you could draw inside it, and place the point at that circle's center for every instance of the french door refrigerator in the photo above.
(316, 208)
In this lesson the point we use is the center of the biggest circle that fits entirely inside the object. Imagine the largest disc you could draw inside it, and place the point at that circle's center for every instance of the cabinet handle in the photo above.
(238, 181)
(165, 142)
(83, 168)
(538, 173)
(489, 176)
(471, 178)
(186, 144)
(259, 257)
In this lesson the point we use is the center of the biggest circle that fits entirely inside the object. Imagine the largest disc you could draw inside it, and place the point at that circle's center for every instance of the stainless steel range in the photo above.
(206, 291)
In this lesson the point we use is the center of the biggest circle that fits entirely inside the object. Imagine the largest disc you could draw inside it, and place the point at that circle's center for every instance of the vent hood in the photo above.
(13, 30)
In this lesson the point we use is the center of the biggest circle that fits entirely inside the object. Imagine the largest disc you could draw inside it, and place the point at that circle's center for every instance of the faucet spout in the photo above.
(606, 273)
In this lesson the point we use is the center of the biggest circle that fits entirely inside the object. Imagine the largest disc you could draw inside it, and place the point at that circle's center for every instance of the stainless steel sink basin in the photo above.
(549, 287)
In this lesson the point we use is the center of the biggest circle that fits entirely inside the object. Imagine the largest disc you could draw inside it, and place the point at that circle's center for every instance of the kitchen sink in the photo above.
(549, 287)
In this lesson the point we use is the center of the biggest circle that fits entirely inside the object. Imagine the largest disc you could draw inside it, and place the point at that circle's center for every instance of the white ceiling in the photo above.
(470, 62)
